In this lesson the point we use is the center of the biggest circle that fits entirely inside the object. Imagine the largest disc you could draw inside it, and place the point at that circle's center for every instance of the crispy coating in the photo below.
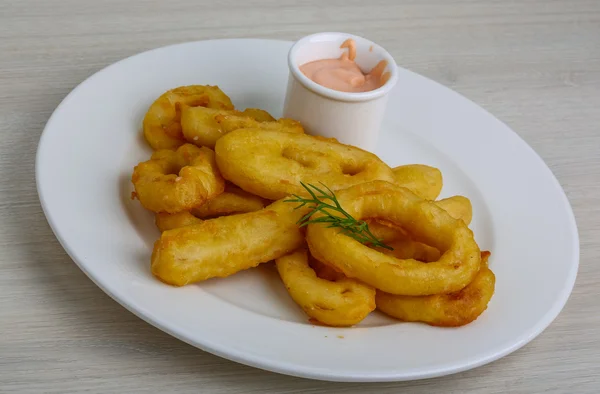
(405, 248)
(425, 181)
(459, 207)
(340, 303)
(271, 164)
(204, 126)
(386, 231)
(258, 114)
(448, 310)
(162, 126)
(285, 125)
(324, 271)
(232, 201)
(223, 246)
(426, 223)
(168, 221)
(174, 181)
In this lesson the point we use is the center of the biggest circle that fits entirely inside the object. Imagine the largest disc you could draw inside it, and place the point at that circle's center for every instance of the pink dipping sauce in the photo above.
(343, 74)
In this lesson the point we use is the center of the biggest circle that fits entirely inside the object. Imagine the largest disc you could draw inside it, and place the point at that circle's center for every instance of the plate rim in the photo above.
(279, 366)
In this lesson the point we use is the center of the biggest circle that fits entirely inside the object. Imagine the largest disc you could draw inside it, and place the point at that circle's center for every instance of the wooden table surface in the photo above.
(534, 64)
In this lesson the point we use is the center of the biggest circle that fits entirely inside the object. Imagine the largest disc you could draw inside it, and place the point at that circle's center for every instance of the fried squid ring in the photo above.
(403, 249)
(162, 126)
(175, 181)
(426, 223)
(272, 165)
(341, 303)
(425, 181)
(204, 126)
(232, 201)
(223, 246)
(446, 310)
(458, 207)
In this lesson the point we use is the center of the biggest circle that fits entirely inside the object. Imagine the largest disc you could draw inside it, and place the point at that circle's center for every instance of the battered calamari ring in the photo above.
(175, 181)
(340, 303)
(403, 249)
(162, 127)
(448, 310)
(271, 164)
(204, 126)
(425, 181)
(223, 246)
(426, 223)
(458, 207)
(232, 201)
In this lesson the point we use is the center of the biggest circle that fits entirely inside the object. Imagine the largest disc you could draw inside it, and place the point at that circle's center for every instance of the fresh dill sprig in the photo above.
(357, 229)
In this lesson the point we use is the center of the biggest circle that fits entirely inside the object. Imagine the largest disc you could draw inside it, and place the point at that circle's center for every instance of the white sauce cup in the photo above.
(351, 118)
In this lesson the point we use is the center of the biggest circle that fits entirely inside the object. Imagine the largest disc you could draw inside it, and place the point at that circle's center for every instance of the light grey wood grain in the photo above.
(534, 64)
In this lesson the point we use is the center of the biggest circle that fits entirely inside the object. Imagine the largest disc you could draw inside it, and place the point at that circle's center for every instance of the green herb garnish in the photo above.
(357, 229)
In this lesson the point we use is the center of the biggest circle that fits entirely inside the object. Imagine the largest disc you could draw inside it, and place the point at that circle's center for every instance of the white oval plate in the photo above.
(92, 141)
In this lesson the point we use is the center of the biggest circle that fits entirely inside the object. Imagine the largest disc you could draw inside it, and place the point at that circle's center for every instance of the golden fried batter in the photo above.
(175, 181)
(458, 207)
(232, 201)
(424, 220)
(425, 181)
(204, 126)
(343, 302)
(272, 165)
(162, 126)
(223, 246)
(449, 310)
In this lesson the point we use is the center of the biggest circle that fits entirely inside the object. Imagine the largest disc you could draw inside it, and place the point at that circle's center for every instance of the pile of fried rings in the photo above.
(218, 181)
